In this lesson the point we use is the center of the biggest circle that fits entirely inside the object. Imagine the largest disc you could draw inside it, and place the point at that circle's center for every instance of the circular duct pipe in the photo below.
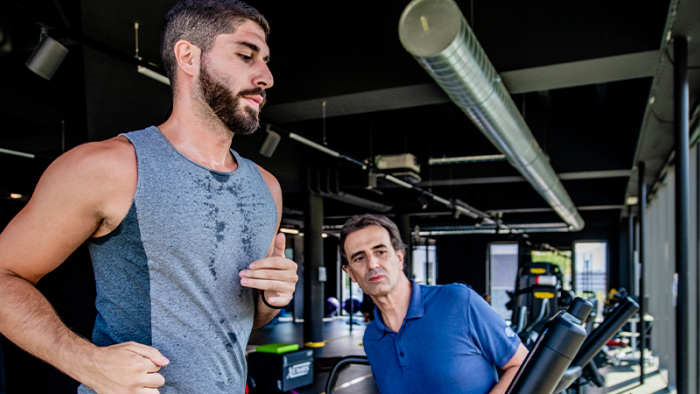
(439, 38)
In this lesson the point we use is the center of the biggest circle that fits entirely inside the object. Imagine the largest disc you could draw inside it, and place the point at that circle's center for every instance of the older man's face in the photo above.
(372, 261)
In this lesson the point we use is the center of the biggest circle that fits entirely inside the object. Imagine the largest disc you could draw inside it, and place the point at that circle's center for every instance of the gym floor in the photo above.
(340, 341)
(624, 379)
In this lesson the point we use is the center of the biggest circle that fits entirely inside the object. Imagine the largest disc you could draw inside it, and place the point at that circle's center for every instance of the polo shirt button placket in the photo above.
(403, 360)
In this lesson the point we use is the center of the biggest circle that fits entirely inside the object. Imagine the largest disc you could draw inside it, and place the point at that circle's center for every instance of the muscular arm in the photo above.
(70, 203)
(510, 370)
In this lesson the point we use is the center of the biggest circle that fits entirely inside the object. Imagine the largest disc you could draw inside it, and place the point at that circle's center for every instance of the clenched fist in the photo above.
(128, 367)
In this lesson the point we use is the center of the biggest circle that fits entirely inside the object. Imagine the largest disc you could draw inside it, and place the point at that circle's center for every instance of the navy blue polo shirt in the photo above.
(451, 341)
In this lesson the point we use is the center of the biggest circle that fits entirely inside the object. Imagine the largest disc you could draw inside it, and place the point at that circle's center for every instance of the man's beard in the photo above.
(238, 118)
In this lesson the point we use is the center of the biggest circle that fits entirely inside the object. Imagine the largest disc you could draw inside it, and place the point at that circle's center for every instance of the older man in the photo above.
(436, 339)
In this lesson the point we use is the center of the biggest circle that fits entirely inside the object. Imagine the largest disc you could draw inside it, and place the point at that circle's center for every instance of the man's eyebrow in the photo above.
(373, 248)
(352, 257)
(254, 48)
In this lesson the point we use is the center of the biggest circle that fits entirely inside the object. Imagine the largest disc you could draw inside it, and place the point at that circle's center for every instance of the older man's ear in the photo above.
(346, 268)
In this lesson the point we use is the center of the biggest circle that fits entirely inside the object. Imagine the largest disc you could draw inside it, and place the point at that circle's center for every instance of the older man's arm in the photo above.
(510, 370)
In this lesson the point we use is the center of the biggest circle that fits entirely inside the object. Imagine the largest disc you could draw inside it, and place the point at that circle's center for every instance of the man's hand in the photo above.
(128, 367)
(276, 275)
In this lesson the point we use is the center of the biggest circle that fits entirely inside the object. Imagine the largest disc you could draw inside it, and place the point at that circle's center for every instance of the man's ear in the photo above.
(188, 57)
(400, 255)
(346, 268)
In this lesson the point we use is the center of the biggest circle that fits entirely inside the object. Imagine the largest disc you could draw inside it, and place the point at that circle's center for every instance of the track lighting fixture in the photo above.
(270, 144)
(47, 56)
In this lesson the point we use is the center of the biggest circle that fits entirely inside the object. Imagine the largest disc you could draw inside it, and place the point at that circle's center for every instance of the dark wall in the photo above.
(464, 258)
(624, 268)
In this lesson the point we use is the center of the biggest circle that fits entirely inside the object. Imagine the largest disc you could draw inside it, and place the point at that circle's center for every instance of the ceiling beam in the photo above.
(584, 72)
(358, 103)
(566, 176)
(556, 76)
(542, 210)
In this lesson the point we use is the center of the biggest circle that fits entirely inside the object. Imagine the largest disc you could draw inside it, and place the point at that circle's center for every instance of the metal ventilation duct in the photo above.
(437, 35)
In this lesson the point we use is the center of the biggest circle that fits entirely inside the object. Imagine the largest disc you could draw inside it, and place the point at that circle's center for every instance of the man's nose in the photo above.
(263, 78)
(373, 262)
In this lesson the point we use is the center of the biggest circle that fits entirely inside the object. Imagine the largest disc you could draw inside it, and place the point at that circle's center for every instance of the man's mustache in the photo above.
(255, 92)
(377, 271)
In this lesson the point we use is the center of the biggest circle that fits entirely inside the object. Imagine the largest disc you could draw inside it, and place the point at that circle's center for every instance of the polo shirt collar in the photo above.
(415, 309)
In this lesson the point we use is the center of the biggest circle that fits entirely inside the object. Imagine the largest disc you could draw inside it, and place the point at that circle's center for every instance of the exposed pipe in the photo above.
(517, 228)
(338, 195)
(465, 159)
(16, 153)
(456, 205)
(681, 116)
(437, 35)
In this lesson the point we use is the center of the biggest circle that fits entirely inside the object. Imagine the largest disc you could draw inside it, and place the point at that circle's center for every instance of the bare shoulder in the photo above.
(100, 177)
(85, 192)
(272, 183)
(276, 192)
(116, 156)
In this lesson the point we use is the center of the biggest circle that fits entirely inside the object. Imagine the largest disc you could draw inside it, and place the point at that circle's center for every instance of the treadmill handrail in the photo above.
(522, 313)
(605, 332)
(543, 313)
(570, 376)
(335, 372)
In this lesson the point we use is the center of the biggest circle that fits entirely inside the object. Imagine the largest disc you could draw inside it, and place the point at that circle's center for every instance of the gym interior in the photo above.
(562, 164)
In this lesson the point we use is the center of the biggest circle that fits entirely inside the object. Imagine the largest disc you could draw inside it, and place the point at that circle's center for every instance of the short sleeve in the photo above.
(494, 337)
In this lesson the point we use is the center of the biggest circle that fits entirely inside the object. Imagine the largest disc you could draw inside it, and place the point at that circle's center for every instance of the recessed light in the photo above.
(289, 231)
(15, 196)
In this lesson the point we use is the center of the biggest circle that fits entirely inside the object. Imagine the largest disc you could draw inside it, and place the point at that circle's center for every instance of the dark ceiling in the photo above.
(587, 121)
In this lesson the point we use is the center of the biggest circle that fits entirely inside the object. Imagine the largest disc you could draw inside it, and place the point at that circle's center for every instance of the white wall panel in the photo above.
(659, 272)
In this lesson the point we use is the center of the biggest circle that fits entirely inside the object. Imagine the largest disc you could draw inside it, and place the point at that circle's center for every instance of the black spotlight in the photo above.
(47, 56)
(270, 144)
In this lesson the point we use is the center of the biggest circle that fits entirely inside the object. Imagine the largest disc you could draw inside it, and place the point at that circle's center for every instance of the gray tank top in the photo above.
(167, 276)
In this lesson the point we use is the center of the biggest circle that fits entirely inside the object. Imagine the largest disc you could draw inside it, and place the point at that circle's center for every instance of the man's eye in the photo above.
(245, 58)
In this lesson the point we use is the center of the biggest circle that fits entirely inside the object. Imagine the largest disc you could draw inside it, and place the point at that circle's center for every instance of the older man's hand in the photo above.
(276, 275)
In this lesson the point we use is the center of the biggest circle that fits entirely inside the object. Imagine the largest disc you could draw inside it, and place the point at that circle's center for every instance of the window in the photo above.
(424, 261)
(504, 270)
(591, 263)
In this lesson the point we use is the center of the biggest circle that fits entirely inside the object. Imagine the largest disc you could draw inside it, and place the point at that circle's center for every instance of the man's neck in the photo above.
(200, 136)
(394, 305)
